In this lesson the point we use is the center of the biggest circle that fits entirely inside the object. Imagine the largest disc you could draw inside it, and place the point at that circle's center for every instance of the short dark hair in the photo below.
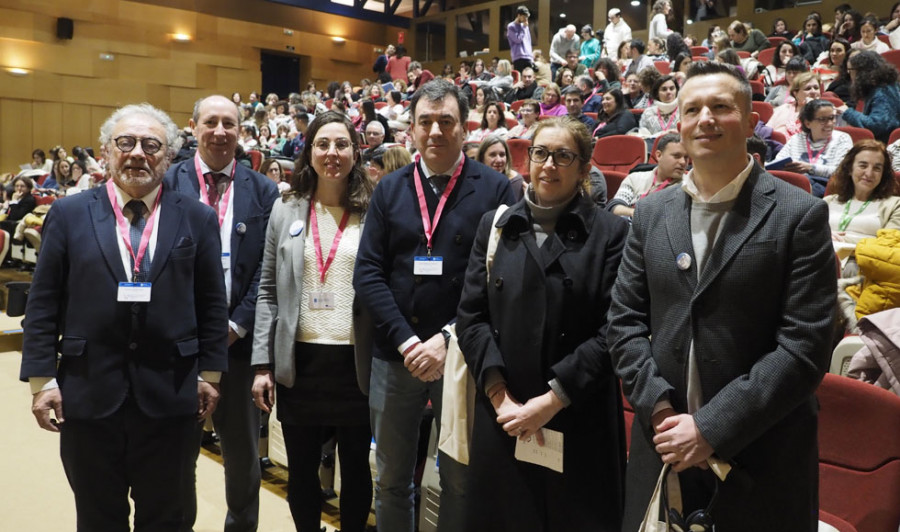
(659, 83)
(435, 91)
(667, 139)
(39, 153)
(708, 68)
(586, 82)
(843, 182)
(304, 180)
(776, 58)
(756, 145)
(809, 110)
(797, 64)
(638, 45)
(571, 89)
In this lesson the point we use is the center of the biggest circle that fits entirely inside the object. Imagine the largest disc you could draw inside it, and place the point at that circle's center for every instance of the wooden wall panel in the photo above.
(48, 125)
(16, 132)
(76, 120)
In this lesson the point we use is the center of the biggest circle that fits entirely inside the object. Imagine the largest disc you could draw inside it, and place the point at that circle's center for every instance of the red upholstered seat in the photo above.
(859, 454)
(765, 56)
(856, 133)
(256, 158)
(764, 109)
(798, 180)
(619, 152)
(518, 151)
(613, 181)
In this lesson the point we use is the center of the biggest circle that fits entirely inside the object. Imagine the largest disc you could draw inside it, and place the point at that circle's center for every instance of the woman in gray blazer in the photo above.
(304, 344)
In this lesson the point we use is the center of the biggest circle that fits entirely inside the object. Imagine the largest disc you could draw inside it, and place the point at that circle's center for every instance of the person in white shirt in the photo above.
(616, 32)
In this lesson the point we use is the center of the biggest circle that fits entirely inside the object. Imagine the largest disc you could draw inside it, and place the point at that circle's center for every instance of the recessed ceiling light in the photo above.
(562, 15)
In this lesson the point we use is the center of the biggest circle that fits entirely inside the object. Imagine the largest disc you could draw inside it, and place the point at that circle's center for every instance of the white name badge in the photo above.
(226, 261)
(134, 292)
(321, 300)
(428, 265)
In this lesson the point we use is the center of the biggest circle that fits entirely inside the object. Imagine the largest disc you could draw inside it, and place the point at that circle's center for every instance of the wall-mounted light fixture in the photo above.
(181, 37)
(338, 40)
(18, 72)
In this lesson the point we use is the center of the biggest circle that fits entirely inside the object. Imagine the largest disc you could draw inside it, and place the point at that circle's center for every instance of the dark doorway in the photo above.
(280, 73)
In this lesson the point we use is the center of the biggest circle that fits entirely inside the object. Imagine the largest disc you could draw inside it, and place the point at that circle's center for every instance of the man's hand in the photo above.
(208, 397)
(798, 166)
(426, 360)
(232, 336)
(528, 419)
(41, 405)
(263, 390)
(679, 442)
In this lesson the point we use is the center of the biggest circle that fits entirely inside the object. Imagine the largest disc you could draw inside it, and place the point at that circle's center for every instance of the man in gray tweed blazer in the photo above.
(720, 326)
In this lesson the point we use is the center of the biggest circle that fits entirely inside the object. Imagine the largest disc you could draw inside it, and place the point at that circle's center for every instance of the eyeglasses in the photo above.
(539, 154)
(149, 145)
(339, 145)
(825, 119)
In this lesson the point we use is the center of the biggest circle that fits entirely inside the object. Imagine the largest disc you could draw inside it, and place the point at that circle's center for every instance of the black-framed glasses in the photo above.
(825, 119)
(149, 145)
(540, 154)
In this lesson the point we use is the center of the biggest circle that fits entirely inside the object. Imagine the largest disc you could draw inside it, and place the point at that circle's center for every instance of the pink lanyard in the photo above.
(658, 187)
(314, 222)
(429, 225)
(204, 196)
(809, 152)
(125, 230)
(668, 124)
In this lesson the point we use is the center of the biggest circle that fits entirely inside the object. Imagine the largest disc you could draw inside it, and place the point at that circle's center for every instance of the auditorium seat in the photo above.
(859, 453)
(514, 107)
(843, 352)
(798, 180)
(764, 109)
(765, 56)
(619, 152)
(775, 41)
(856, 133)
(614, 180)
(518, 152)
(895, 135)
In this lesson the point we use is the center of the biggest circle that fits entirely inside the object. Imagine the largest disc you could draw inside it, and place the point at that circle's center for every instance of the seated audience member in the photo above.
(774, 73)
(482, 97)
(864, 200)
(394, 107)
(683, 62)
(265, 138)
(656, 49)
(662, 116)
(592, 94)
(892, 26)
(376, 93)
(17, 204)
(61, 173)
(39, 161)
(817, 149)
(730, 56)
(615, 118)
(494, 152)
(608, 77)
(757, 148)
(248, 138)
(493, 122)
(542, 71)
(572, 64)
(777, 94)
(273, 170)
(81, 178)
(635, 97)
(648, 78)
(530, 111)
(747, 40)
(639, 61)
(390, 159)
(564, 77)
(501, 83)
(293, 148)
(573, 100)
(524, 89)
(779, 29)
(835, 60)
(673, 161)
(810, 40)
(869, 40)
(894, 151)
(786, 119)
(375, 132)
(874, 82)
(849, 28)
(551, 104)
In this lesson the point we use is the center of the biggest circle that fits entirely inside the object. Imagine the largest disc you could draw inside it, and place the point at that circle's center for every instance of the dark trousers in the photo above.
(104, 459)
(522, 64)
(303, 444)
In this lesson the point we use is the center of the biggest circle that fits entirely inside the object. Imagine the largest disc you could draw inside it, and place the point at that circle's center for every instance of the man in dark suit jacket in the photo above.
(411, 279)
(138, 363)
(720, 326)
(243, 200)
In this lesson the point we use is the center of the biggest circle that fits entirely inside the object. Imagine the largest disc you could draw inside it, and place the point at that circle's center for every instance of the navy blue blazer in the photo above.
(254, 196)
(110, 350)
(402, 304)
